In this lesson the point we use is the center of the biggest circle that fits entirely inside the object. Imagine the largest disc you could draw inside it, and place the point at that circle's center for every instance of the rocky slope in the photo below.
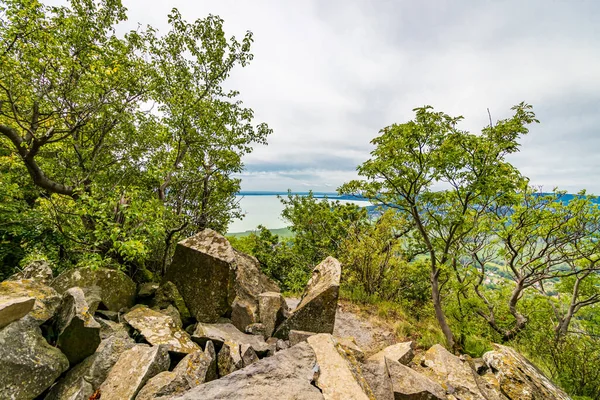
(217, 328)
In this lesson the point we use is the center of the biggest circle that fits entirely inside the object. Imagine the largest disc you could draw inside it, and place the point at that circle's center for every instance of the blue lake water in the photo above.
(264, 208)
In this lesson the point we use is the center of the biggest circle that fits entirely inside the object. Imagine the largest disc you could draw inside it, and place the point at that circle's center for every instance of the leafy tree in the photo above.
(410, 158)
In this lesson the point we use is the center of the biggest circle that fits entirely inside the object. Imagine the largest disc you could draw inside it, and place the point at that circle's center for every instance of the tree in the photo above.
(410, 158)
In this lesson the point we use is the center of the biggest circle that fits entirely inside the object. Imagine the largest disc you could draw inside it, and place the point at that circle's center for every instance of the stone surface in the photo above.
(229, 358)
(339, 377)
(400, 352)
(349, 346)
(118, 290)
(47, 299)
(158, 328)
(107, 314)
(256, 329)
(109, 328)
(518, 378)
(219, 333)
(28, 364)
(296, 337)
(168, 295)
(411, 385)
(273, 310)
(211, 276)
(78, 332)
(14, 308)
(248, 355)
(38, 270)
(211, 353)
(93, 297)
(132, 370)
(146, 290)
(172, 312)
(317, 308)
(82, 380)
(285, 376)
(190, 372)
(377, 376)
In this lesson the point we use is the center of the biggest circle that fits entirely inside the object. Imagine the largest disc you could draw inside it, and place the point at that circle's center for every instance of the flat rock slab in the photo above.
(28, 364)
(132, 370)
(411, 385)
(47, 299)
(318, 305)
(160, 329)
(519, 378)
(285, 376)
(14, 308)
(226, 332)
(400, 352)
(118, 290)
(339, 377)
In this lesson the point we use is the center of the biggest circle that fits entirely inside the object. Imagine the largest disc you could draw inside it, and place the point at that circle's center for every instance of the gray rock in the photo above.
(93, 298)
(317, 308)
(519, 378)
(118, 290)
(146, 290)
(377, 376)
(28, 363)
(190, 372)
(282, 344)
(38, 270)
(248, 355)
(109, 328)
(107, 314)
(14, 308)
(256, 329)
(229, 358)
(132, 370)
(296, 337)
(47, 299)
(168, 295)
(158, 328)
(78, 332)
(82, 380)
(172, 312)
(400, 352)
(220, 333)
(211, 353)
(285, 376)
(411, 385)
(273, 310)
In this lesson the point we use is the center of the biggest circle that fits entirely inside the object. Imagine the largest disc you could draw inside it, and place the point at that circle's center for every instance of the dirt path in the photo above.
(370, 334)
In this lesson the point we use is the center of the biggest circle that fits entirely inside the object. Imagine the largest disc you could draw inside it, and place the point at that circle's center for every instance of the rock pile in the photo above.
(217, 328)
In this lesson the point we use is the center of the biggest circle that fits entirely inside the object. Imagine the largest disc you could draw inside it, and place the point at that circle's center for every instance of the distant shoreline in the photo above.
(329, 195)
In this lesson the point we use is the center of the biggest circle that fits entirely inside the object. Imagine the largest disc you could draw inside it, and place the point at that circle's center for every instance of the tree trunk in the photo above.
(437, 305)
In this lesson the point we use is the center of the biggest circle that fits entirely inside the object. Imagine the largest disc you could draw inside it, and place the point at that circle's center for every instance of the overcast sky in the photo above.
(328, 75)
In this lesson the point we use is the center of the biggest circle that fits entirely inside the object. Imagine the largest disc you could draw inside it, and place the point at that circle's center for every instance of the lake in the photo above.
(265, 209)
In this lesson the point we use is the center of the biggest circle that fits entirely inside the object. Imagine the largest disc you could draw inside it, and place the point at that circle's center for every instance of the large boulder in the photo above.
(229, 359)
(158, 328)
(118, 290)
(339, 375)
(411, 385)
(287, 375)
(28, 364)
(317, 308)
(168, 295)
(214, 279)
(400, 352)
(47, 299)
(132, 370)
(190, 372)
(78, 332)
(82, 380)
(273, 310)
(519, 378)
(38, 270)
(226, 332)
(14, 308)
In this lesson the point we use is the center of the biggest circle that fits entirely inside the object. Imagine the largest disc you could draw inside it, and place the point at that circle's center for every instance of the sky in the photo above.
(328, 75)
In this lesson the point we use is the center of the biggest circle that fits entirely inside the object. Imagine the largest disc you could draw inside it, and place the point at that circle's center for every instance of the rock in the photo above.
(256, 329)
(28, 364)
(109, 328)
(47, 299)
(78, 332)
(519, 378)
(377, 376)
(317, 308)
(82, 380)
(158, 329)
(400, 352)
(248, 355)
(219, 333)
(107, 314)
(229, 358)
(168, 295)
(118, 290)
(282, 344)
(296, 337)
(93, 298)
(348, 344)
(211, 276)
(190, 372)
(14, 308)
(451, 373)
(273, 310)
(146, 290)
(132, 370)
(211, 353)
(339, 376)
(38, 270)
(287, 375)
(172, 312)
(411, 385)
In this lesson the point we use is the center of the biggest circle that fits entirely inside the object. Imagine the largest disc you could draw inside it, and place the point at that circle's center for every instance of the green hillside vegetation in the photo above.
(115, 147)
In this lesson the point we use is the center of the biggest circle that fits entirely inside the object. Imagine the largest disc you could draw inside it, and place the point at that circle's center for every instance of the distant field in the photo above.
(282, 232)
